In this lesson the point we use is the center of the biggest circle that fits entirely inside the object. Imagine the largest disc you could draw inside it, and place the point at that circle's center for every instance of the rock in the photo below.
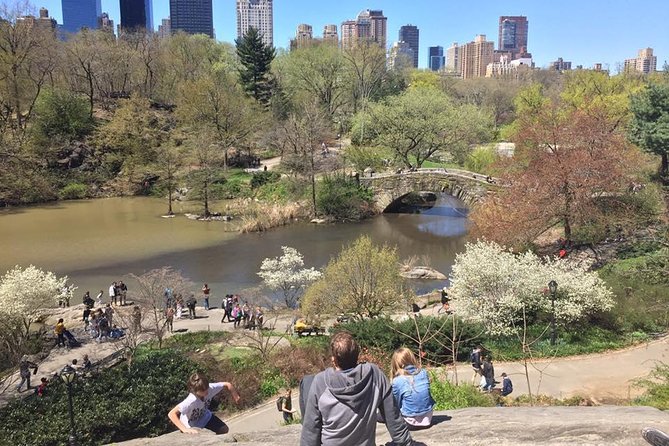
(423, 272)
(500, 426)
(318, 221)
(168, 216)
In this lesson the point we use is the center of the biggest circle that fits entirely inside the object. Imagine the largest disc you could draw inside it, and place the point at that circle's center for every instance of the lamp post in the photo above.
(68, 375)
(552, 286)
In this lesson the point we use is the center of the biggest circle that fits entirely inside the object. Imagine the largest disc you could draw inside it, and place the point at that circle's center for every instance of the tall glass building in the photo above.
(436, 58)
(79, 14)
(410, 35)
(136, 14)
(192, 16)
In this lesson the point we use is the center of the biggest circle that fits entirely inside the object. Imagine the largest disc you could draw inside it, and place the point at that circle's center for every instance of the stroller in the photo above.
(72, 342)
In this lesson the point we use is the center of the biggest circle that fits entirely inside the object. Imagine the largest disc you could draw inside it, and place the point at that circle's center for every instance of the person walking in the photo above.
(169, 319)
(475, 358)
(190, 303)
(287, 406)
(488, 380)
(24, 372)
(205, 295)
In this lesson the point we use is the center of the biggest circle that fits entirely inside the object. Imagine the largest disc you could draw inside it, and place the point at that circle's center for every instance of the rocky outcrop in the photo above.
(423, 272)
(500, 426)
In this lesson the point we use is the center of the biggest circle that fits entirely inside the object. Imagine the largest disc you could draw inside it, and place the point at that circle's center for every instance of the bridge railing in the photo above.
(461, 173)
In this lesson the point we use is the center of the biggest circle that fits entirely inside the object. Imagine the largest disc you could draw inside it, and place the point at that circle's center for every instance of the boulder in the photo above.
(500, 426)
(423, 272)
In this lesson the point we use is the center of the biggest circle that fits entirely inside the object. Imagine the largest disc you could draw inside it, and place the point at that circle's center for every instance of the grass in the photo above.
(448, 396)
(657, 389)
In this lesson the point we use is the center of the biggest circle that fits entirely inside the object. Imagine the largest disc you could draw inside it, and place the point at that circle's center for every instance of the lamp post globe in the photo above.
(68, 375)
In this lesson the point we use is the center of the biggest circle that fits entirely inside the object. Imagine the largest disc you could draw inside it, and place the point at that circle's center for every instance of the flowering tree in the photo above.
(288, 275)
(495, 287)
(23, 293)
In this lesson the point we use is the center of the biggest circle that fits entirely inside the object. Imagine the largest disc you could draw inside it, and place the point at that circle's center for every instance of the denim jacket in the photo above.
(412, 392)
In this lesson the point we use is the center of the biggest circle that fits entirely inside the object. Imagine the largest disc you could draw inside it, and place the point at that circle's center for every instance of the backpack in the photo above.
(279, 404)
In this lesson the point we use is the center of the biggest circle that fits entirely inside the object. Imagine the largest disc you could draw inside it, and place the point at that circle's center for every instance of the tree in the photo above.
(423, 121)
(150, 296)
(169, 161)
(364, 280)
(256, 60)
(301, 136)
(24, 292)
(317, 72)
(61, 116)
(493, 286)
(288, 275)
(649, 128)
(569, 169)
(209, 162)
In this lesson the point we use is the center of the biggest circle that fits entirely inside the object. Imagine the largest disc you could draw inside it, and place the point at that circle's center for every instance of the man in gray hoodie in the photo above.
(341, 408)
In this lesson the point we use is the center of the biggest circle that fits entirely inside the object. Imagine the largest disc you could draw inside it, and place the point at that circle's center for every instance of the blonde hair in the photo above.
(402, 358)
(197, 383)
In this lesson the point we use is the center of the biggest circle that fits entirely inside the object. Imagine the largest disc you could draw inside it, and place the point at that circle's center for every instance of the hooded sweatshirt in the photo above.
(342, 405)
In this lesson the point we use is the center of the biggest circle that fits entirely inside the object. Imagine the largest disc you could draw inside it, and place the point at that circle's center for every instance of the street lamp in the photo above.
(68, 375)
(552, 286)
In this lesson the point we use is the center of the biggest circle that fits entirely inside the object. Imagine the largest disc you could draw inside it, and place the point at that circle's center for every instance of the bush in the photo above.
(480, 159)
(343, 199)
(120, 404)
(261, 178)
(73, 191)
(448, 396)
(363, 157)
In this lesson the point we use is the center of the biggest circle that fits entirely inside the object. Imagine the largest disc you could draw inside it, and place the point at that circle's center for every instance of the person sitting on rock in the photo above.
(411, 389)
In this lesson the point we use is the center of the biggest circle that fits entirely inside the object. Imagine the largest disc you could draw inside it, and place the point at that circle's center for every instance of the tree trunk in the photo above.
(664, 167)
(313, 182)
(206, 198)
(169, 202)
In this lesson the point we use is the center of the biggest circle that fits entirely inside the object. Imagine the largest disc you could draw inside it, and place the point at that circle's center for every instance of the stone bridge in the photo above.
(469, 187)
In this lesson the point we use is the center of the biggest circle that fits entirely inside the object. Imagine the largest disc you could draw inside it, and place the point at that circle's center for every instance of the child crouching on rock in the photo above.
(193, 412)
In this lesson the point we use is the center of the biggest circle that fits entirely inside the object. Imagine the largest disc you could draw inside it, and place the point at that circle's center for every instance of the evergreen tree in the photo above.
(256, 60)
(649, 128)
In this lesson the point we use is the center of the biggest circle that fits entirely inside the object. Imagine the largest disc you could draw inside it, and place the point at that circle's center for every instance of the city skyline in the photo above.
(598, 31)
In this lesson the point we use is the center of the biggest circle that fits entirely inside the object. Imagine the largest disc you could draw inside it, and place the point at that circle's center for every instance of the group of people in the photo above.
(99, 323)
(175, 303)
(28, 368)
(245, 315)
(484, 372)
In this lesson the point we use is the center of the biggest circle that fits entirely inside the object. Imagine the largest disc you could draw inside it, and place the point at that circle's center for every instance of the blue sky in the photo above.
(582, 31)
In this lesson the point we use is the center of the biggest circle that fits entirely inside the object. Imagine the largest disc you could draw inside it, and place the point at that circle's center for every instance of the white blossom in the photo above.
(24, 291)
(288, 275)
(491, 285)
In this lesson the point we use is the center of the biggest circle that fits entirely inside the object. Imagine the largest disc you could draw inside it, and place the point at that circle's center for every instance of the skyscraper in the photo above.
(303, 36)
(453, 58)
(136, 14)
(513, 35)
(400, 56)
(436, 60)
(644, 63)
(192, 17)
(370, 25)
(410, 35)
(79, 14)
(330, 34)
(257, 14)
(165, 28)
(475, 57)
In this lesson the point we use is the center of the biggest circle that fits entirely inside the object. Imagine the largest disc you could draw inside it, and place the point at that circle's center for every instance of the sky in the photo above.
(584, 32)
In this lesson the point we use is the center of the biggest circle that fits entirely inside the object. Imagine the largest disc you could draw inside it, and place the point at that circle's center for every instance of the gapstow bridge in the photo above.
(469, 187)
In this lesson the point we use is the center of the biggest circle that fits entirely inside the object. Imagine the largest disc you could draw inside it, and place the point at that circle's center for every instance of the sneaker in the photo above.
(655, 437)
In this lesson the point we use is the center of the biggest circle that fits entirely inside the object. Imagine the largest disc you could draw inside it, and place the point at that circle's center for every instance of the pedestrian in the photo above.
(475, 358)
(488, 378)
(286, 403)
(87, 300)
(169, 319)
(343, 401)
(445, 302)
(190, 303)
(123, 290)
(59, 330)
(86, 317)
(180, 306)
(109, 314)
(237, 315)
(137, 319)
(24, 372)
(507, 385)
(205, 295)
(193, 412)
(112, 293)
(411, 389)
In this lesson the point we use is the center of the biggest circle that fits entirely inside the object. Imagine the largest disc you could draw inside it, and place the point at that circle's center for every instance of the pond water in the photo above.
(97, 241)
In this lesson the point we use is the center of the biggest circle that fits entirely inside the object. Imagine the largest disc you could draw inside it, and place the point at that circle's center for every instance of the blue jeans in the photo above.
(206, 303)
(24, 379)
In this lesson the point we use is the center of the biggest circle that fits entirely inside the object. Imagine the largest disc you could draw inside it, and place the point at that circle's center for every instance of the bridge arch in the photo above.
(469, 187)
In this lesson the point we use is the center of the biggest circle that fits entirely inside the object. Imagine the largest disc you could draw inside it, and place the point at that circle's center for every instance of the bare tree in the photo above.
(150, 296)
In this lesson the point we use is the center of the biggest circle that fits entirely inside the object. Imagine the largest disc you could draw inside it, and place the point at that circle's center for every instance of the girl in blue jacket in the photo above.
(411, 389)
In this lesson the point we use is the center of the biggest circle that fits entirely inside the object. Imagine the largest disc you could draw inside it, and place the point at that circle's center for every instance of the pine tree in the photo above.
(649, 128)
(256, 60)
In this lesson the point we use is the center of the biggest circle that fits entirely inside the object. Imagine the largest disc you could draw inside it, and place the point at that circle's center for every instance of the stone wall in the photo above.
(499, 426)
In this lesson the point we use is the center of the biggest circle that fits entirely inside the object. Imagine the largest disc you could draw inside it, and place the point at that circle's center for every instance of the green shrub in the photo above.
(73, 191)
(342, 198)
(119, 404)
(363, 157)
(657, 388)
(264, 177)
(480, 159)
(448, 396)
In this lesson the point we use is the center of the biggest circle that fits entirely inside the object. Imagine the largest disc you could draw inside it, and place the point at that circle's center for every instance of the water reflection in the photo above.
(95, 242)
